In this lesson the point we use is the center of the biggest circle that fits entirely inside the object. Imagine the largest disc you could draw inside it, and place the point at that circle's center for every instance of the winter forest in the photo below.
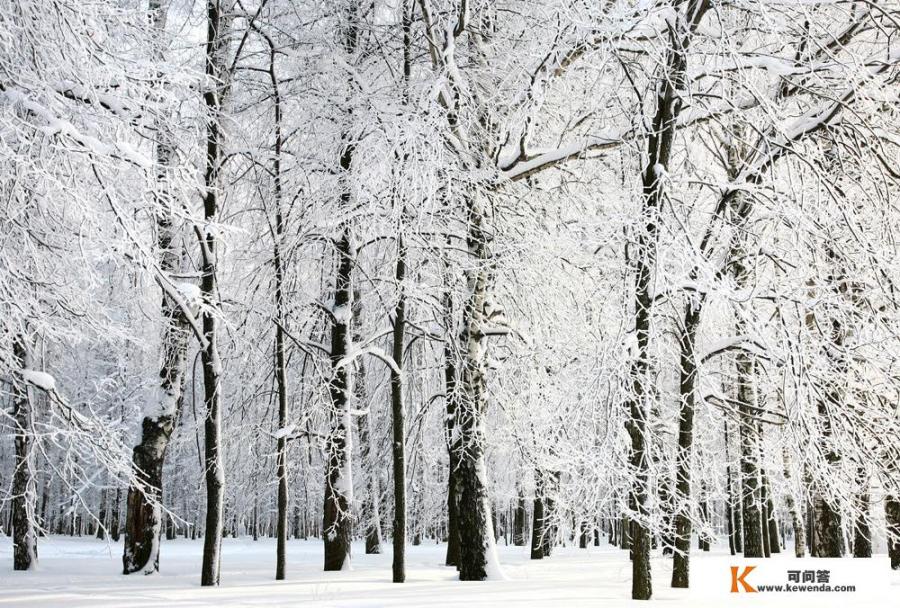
(500, 281)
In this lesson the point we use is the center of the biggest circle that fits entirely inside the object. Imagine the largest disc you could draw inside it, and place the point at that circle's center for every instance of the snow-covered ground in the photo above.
(85, 572)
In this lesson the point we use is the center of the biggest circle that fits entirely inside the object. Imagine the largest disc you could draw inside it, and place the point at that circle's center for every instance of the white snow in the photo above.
(190, 292)
(42, 380)
(284, 432)
(85, 572)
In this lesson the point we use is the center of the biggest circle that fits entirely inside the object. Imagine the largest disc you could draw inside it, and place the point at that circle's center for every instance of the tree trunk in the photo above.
(452, 438)
(770, 520)
(796, 516)
(862, 535)
(892, 519)
(103, 514)
(218, 24)
(539, 527)
(24, 489)
(477, 553)
(398, 419)
(684, 459)
(281, 527)
(337, 516)
(669, 102)
(734, 541)
(369, 515)
(114, 517)
(702, 537)
(143, 514)
(520, 536)
(337, 523)
(751, 504)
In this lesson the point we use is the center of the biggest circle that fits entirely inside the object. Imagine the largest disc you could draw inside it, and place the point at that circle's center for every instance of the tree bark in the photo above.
(337, 517)
(477, 554)
(669, 103)
(452, 437)
(281, 473)
(862, 535)
(24, 488)
(796, 516)
(751, 503)
(771, 523)
(541, 541)
(892, 519)
(218, 23)
(337, 522)
(684, 457)
(398, 419)
(520, 536)
(143, 515)
(369, 515)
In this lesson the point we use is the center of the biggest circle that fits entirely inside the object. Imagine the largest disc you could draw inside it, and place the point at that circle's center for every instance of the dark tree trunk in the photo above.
(683, 527)
(476, 536)
(659, 147)
(751, 506)
(729, 521)
(667, 506)
(24, 490)
(452, 437)
(398, 420)
(827, 533)
(103, 515)
(734, 544)
(770, 520)
(218, 23)
(625, 534)
(862, 535)
(810, 526)
(702, 537)
(541, 533)
(550, 518)
(892, 519)
(281, 473)
(520, 535)
(114, 524)
(337, 517)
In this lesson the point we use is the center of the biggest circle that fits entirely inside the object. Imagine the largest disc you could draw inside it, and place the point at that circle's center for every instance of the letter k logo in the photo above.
(735, 579)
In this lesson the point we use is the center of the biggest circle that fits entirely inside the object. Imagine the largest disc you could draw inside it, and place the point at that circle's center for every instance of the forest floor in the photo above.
(82, 572)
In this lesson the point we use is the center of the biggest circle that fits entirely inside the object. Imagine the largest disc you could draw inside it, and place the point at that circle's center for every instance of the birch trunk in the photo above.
(796, 516)
(24, 487)
(477, 552)
(143, 514)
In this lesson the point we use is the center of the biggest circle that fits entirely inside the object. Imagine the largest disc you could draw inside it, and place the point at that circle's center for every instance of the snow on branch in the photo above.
(56, 126)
